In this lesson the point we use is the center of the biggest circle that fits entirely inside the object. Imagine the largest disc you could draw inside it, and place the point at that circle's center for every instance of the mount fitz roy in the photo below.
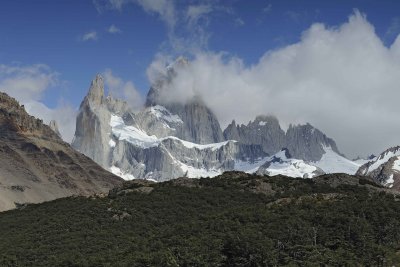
(167, 140)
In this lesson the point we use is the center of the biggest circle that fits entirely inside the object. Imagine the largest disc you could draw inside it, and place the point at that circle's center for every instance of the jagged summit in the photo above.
(54, 126)
(95, 95)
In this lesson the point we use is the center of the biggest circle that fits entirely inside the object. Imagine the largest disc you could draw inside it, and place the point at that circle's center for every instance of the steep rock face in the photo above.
(307, 143)
(92, 133)
(157, 120)
(36, 165)
(139, 155)
(264, 131)
(200, 125)
(384, 169)
(303, 141)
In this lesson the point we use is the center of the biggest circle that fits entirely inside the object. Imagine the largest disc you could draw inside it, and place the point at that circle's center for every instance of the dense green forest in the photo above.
(231, 220)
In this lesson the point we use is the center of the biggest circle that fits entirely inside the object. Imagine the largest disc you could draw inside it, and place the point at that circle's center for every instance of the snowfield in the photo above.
(331, 162)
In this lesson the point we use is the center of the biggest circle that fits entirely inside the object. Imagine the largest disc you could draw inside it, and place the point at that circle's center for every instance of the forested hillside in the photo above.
(235, 219)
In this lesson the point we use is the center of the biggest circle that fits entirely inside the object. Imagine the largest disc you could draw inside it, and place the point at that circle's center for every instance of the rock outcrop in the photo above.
(36, 165)
(54, 126)
(308, 143)
(303, 141)
(264, 131)
(384, 169)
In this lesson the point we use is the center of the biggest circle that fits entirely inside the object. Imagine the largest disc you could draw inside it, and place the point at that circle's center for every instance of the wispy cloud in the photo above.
(90, 36)
(187, 26)
(123, 89)
(164, 8)
(196, 12)
(267, 9)
(293, 15)
(239, 22)
(113, 29)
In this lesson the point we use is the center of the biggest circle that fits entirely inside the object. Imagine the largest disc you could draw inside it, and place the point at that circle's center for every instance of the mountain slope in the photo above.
(36, 165)
(385, 168)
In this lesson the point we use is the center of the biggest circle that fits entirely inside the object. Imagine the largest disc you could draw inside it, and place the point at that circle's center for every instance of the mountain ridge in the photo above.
(36, 165)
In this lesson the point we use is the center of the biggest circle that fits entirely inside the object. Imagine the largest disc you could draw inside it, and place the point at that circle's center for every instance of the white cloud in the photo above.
(121, 89)
(27, 84)
(342, 80)
(164, 8)
(196, 12)
(114, 29)
(90, 36)
(64, 114)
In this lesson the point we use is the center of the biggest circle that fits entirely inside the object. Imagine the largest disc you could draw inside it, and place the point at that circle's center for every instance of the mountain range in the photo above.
(162, 141)
(169, 139)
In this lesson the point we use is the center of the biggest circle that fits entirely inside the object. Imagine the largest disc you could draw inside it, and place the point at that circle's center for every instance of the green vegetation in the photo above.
(226, 221)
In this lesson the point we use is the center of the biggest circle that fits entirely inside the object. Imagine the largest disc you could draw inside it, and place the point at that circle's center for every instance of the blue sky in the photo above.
(50, 32)
(75, 39)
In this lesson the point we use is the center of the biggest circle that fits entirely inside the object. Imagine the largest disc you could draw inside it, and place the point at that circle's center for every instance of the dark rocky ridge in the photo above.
(36, 165)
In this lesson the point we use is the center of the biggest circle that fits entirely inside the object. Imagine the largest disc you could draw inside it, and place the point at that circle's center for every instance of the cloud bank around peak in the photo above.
(343, 80)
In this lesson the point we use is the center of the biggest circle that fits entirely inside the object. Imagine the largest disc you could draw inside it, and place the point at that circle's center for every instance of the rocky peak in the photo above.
(54, 126)
(264, 131)
(96, 91)
(307, 143)
(92, 132)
